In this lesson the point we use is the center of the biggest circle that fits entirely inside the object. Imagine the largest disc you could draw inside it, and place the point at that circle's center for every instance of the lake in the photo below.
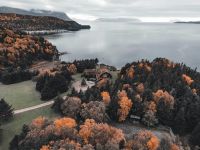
(117, 43)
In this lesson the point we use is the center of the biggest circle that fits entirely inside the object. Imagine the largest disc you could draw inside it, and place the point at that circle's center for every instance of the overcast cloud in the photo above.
(91, 9)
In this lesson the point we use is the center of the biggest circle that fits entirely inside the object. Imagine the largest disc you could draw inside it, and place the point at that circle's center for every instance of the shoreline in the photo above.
(44, 32)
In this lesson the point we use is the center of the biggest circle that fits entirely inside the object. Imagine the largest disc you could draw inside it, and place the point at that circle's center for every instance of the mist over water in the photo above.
(117, 43)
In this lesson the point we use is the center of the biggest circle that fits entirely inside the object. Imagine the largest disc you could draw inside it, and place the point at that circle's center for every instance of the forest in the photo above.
(20, 50)
(68, 133)
(35, 23)
(158, 92)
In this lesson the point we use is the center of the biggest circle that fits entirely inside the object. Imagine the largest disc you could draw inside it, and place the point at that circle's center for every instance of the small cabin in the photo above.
(96, 74)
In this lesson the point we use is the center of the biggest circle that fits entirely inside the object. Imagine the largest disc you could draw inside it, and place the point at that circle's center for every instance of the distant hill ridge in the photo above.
(35, 12)
(119, 19)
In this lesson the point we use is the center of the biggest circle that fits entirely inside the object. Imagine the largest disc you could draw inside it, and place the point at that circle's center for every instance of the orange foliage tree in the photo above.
(125, 105)
(45, 147)
(153, 143)
(65, 122)
(187, 79)
(168, 99)
(174, 147)
(143, 140)
(101, 134)
(72, 68)
(39, 122)
(85, 129)
(131, 72)
(106, 97)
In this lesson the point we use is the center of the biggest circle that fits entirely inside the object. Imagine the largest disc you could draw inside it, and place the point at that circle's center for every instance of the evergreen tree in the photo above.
(6, 110)
(83, 82)
(0, 134)
(195, 136)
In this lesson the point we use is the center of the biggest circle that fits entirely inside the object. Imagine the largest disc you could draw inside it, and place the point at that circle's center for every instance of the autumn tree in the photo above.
(168, 99)
(140, 88)
(71, 107)
(105, 97)
(143, 140)
(125, 105)
(94, 110)
(187, 79)
(131, 72)
(39, 122)
(149, 118)
(72, 68)
(65, 122)
(92, 133)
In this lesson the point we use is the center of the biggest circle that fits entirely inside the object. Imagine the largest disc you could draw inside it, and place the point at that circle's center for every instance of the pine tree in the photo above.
(83, 82)
(6, 110)
(0, 134)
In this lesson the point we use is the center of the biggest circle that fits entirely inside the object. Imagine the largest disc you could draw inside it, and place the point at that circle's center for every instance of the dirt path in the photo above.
(33, 107)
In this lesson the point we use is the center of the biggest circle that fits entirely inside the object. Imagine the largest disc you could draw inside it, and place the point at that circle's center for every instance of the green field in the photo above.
(20, 95)
(23, 95)
(14, 126)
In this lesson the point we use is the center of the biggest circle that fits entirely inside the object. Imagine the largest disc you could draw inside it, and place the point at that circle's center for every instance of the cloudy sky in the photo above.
(92, 9)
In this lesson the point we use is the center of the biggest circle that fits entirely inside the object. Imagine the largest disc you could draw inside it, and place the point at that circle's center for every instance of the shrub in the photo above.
(94, 110)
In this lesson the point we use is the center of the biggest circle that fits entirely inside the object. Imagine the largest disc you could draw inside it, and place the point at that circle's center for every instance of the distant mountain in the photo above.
(119, 19)
(35, 12)
(188, 22)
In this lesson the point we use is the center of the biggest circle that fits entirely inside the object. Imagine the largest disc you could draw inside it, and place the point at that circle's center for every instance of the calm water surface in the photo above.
(116, 43)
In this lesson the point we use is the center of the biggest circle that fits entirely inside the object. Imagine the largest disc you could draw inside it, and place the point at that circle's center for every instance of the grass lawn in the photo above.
(77, 76)
(114, 75)
(20, 95)
(14, 126)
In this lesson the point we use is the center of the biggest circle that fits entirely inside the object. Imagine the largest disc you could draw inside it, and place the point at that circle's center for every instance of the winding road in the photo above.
(33, 107)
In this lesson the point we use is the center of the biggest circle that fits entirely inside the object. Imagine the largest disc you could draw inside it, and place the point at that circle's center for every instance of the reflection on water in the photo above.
(118, 43)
